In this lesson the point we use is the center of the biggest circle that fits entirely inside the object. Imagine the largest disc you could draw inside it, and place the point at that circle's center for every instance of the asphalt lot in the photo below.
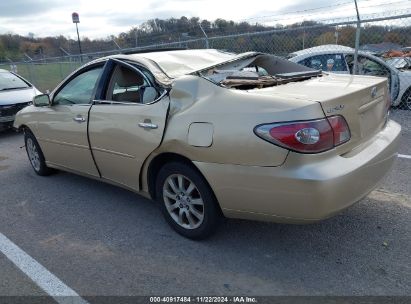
(102, 240)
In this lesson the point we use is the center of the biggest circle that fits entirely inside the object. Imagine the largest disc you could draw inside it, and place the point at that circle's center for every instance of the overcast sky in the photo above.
(99, 19)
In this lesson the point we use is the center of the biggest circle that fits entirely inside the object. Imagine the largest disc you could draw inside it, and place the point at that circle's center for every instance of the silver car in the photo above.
(15, 94)
(340, 59)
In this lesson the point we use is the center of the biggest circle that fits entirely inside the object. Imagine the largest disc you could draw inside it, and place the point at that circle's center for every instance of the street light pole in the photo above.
(76, 19)
(79, 43)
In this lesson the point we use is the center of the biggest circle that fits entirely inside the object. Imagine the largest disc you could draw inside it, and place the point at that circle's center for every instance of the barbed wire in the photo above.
(305, 16)
(166, 37)
(299, 11)
(214, 31)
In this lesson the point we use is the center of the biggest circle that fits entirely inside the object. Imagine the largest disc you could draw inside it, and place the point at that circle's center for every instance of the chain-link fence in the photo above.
(383, 50)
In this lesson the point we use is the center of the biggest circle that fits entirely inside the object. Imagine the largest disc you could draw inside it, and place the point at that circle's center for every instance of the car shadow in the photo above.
(363, 250)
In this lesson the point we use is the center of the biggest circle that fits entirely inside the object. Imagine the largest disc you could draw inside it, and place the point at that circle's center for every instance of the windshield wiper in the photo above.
(15, 88)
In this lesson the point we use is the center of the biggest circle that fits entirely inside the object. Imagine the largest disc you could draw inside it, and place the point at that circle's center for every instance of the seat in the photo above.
(130, 82)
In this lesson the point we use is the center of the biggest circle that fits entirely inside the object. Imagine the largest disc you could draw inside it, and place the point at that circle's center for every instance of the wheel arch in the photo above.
(23, 128)
(160, 160)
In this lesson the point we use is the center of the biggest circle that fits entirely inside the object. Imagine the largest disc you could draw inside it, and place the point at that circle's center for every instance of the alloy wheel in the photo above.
(33, 154)
(408, 102)
(183, 201)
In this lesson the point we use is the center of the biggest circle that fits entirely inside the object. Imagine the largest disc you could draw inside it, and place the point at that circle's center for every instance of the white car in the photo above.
(340, 59)
(15, 94)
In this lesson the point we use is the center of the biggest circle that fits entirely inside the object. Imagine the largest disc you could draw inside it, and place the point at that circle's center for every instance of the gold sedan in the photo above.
(209, 134)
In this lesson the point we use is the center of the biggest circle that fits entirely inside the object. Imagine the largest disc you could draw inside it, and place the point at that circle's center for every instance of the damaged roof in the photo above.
(183, 62)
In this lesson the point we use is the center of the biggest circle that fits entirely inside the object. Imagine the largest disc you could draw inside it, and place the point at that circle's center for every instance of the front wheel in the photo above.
(35, 155)
(187, 201)
(406, 100)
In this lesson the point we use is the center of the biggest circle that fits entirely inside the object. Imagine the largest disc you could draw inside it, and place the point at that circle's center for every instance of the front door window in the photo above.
(367, 66)
(78, 90)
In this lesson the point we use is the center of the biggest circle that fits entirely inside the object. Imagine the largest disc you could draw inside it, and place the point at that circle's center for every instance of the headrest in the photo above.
(128, 78)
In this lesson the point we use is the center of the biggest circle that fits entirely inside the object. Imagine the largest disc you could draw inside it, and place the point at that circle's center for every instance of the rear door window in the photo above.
(327, 62)
(130, 86)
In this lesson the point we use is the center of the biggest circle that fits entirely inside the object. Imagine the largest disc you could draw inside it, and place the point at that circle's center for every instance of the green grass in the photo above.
(46, 76)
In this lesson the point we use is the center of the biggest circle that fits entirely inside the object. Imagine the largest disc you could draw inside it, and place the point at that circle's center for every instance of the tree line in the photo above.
(285, 39)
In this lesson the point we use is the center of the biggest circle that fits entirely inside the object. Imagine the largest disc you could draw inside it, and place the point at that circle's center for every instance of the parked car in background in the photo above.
(400, 63)
(15, 94)
(208, 133)
(343, 62)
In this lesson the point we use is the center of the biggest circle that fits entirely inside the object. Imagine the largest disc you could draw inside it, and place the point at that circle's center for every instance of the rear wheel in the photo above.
(35, 155)
(187, 201)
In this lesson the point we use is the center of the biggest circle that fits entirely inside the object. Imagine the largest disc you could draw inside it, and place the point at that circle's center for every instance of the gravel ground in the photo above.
(102, 240)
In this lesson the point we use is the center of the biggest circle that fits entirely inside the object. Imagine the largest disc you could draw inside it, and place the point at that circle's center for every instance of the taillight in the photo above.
(340, 129)
(311, 136)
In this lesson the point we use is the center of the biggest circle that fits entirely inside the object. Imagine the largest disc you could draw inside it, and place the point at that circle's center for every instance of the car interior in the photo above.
(327, 63)
(125, 85)
(367, 67)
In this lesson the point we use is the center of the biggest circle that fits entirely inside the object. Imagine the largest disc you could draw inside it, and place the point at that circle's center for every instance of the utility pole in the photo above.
(76, 19)
(336, 35)
(303, 38)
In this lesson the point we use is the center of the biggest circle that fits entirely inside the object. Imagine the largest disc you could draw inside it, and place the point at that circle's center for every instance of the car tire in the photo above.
(406, 100)
(187, 201)
(35, 155)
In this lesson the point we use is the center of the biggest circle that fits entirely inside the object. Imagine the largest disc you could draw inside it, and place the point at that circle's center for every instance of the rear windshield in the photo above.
(257, 72)
(9, 81)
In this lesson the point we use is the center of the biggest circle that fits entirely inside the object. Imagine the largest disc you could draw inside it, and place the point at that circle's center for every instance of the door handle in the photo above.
(147, 125)
(79, 119)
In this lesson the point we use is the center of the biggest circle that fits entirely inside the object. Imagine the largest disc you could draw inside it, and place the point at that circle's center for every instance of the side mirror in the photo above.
(41, 100)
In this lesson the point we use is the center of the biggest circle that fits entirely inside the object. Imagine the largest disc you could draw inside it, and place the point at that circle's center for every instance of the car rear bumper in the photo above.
(305, 188)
